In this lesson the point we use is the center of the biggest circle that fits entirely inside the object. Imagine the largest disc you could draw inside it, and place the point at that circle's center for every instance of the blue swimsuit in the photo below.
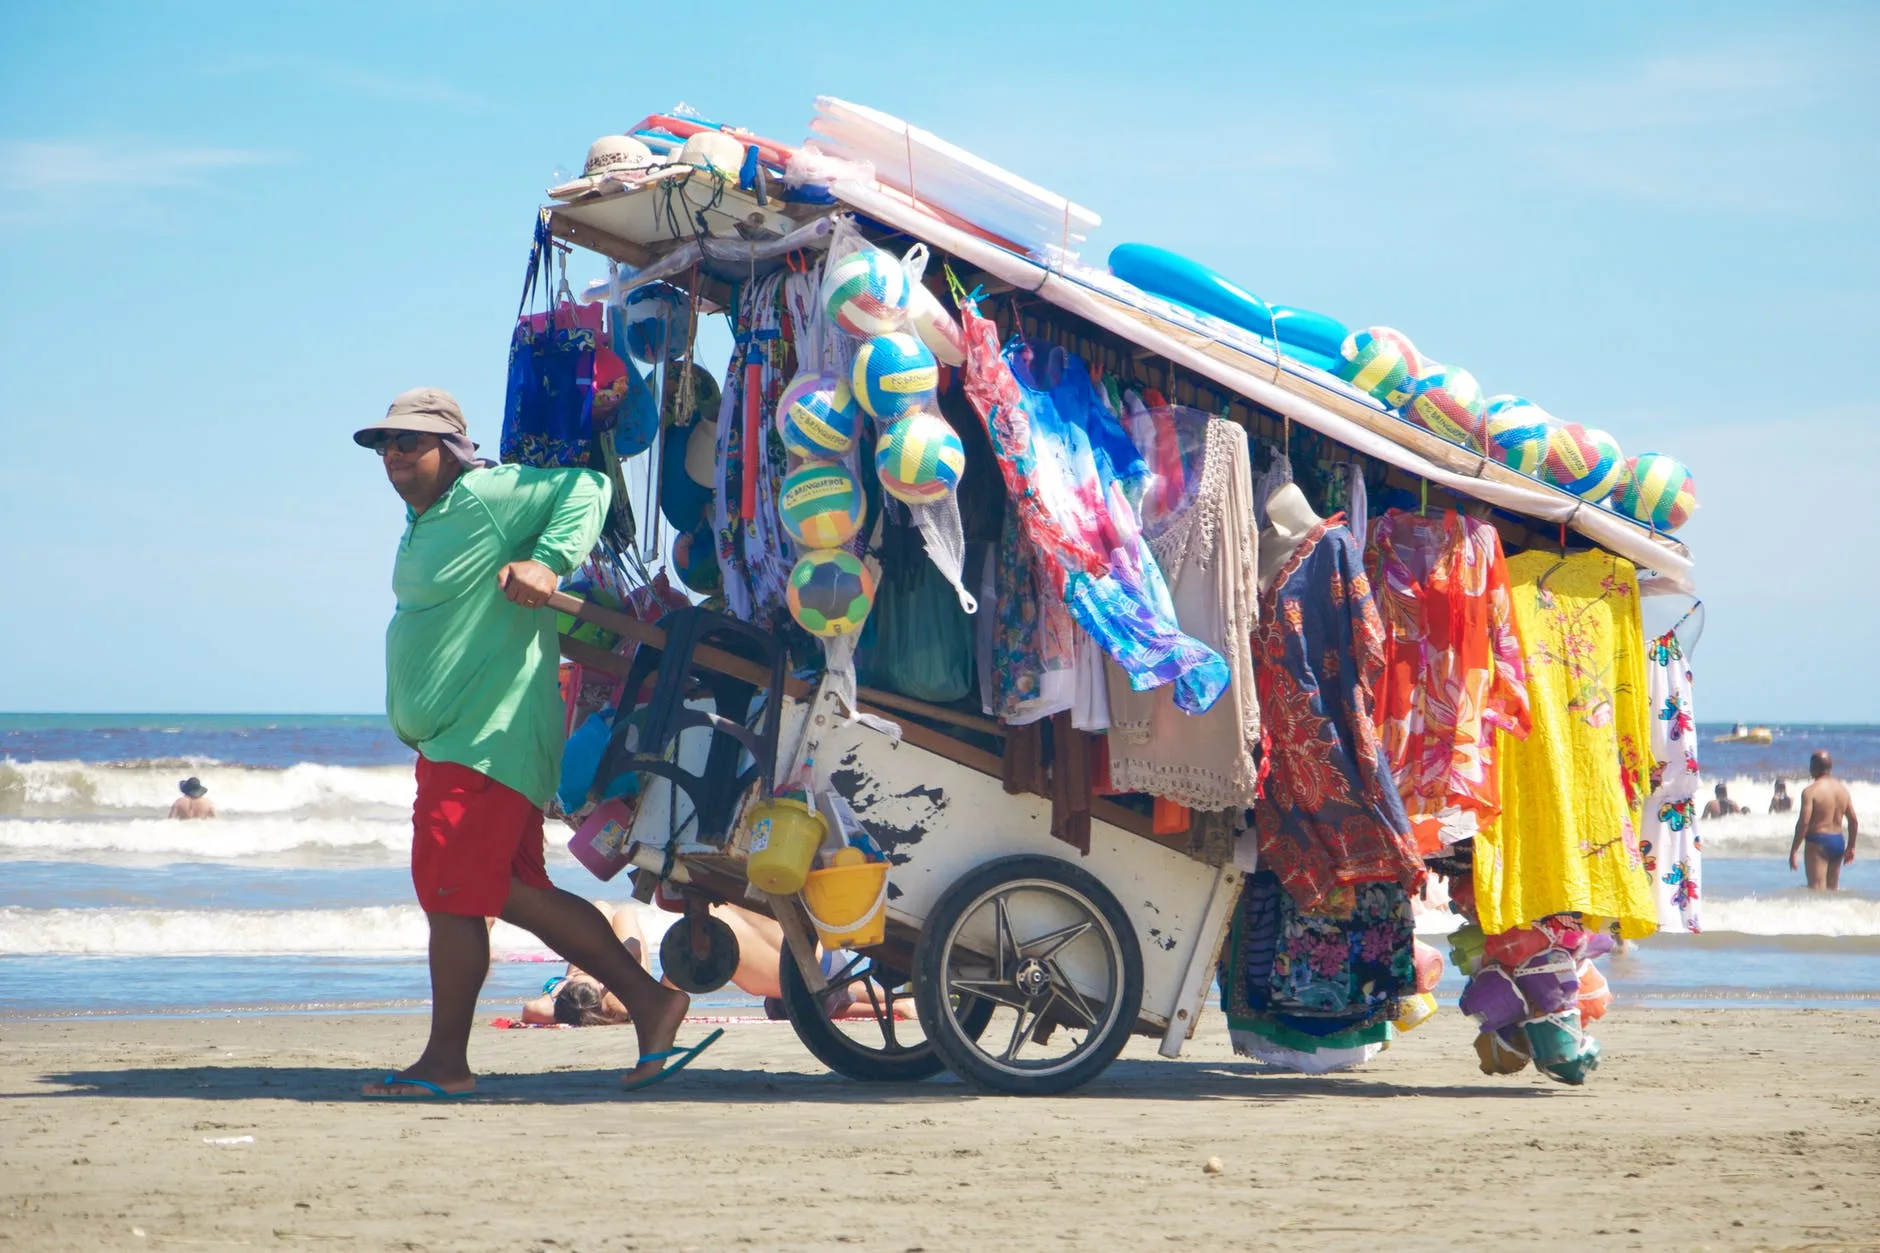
(1834, 846)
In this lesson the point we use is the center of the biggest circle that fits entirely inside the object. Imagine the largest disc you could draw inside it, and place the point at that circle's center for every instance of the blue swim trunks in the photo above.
(1834, 847)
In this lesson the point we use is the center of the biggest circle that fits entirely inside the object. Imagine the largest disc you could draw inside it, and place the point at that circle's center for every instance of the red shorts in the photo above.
(470, 836)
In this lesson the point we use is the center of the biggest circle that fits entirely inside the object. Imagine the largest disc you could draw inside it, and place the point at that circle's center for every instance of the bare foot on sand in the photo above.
(415, 1084)
(657, 1031)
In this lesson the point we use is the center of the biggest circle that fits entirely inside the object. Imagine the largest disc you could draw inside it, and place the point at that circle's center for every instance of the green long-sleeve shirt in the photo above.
(470, 677)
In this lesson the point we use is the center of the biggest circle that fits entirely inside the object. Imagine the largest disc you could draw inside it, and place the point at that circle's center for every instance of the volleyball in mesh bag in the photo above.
(1582, 460)
(893, 374)
(866, 293)
(821, 505)
(830, 592)
(1382, 362)
(817, 417)
(920, 459)
(1449, 403)
(1656, 490)
(1515, 432)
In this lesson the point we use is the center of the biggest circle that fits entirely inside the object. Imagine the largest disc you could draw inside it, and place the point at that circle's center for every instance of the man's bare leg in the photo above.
(585, 938)
(460, 959)
(1817, 863)
(1832, 873)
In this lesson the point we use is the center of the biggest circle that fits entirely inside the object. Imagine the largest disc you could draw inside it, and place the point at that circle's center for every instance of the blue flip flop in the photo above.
(685, 1057)
(430, 1092)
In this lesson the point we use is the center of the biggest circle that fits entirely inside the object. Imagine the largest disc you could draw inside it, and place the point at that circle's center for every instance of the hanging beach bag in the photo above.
(922, 641)
(548, 412)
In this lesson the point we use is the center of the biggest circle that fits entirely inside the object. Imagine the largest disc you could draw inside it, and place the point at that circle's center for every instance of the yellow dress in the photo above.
(1573, 791)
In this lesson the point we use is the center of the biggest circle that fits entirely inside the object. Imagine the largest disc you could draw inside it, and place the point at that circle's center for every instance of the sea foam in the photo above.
(367, 931)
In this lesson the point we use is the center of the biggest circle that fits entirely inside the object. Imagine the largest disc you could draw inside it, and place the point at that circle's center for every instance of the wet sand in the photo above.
(1704, 1129)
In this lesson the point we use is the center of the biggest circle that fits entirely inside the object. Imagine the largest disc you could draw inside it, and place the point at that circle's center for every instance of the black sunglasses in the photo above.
(405, 442)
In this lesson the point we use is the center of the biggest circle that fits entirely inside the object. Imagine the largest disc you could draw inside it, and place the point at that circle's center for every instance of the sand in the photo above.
(1715, 1129)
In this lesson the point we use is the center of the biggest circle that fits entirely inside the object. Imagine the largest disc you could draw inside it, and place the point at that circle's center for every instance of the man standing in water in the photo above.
(1825, 806)
(470, 662)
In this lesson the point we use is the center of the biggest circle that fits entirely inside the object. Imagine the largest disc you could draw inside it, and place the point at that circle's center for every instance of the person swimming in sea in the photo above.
(1827, 807)
(1720, 805)
(1781, 802)
(194, 801)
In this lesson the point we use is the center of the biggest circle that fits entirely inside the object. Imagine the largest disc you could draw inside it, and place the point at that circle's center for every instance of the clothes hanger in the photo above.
(1690, 648)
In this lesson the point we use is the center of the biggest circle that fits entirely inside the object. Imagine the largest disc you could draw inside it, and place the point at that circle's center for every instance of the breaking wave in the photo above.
(54, 789)
(143, 840)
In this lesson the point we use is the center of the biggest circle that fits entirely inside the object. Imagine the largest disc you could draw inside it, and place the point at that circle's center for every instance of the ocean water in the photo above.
(298, 898)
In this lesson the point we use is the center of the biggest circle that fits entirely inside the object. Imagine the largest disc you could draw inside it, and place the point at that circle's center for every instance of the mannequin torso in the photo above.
(1291, 521)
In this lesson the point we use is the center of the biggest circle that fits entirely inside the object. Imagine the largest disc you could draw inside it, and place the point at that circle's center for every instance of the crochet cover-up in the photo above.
(1331, 815)
(1453, 672)
(1573, 793)
(1208, 554)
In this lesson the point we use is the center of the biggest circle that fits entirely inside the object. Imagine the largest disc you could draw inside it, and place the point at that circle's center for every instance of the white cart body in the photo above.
(937, 820)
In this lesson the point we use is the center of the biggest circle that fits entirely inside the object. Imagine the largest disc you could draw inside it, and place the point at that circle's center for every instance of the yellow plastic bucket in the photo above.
(848, 904)
(784, 837)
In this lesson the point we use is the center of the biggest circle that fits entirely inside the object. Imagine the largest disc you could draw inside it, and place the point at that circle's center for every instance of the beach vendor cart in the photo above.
(960, 686)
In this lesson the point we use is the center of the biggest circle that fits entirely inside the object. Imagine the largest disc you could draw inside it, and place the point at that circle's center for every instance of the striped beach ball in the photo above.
(821, 505)
(1656, 490)
(920, 459)
(830, 592)
(866, 293)
(894, 374)
(1582, 460)
(1516, 431)
(817, 418)
(1382, 362)
(1449, 404)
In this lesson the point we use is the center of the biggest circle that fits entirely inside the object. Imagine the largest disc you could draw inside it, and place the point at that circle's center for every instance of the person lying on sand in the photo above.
(578, 999)
(471, 672)
(194, 801)
(1826, 807)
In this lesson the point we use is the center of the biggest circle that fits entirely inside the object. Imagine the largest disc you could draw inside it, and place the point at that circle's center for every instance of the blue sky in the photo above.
(229, 233)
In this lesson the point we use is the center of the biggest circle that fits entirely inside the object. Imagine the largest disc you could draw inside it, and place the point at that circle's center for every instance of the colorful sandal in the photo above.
(685, 1057)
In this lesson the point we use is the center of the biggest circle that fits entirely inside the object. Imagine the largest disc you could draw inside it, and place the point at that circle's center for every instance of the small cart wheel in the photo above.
(879, 1048)
(1051, 950)
(699, 967)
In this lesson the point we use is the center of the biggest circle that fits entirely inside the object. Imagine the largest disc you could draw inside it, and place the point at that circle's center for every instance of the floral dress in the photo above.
(1331, 814)
(1453, 673)
(1573, 793)
(1670, 847)
(1314, 990)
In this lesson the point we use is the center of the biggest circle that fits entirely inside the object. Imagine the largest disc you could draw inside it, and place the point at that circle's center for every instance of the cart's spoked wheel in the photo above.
(1050, 950)
(699, 954)
(876, 1034)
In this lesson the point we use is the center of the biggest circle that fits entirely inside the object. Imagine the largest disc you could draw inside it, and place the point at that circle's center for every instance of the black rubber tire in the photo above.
(960, 1051)
(849, 1056)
